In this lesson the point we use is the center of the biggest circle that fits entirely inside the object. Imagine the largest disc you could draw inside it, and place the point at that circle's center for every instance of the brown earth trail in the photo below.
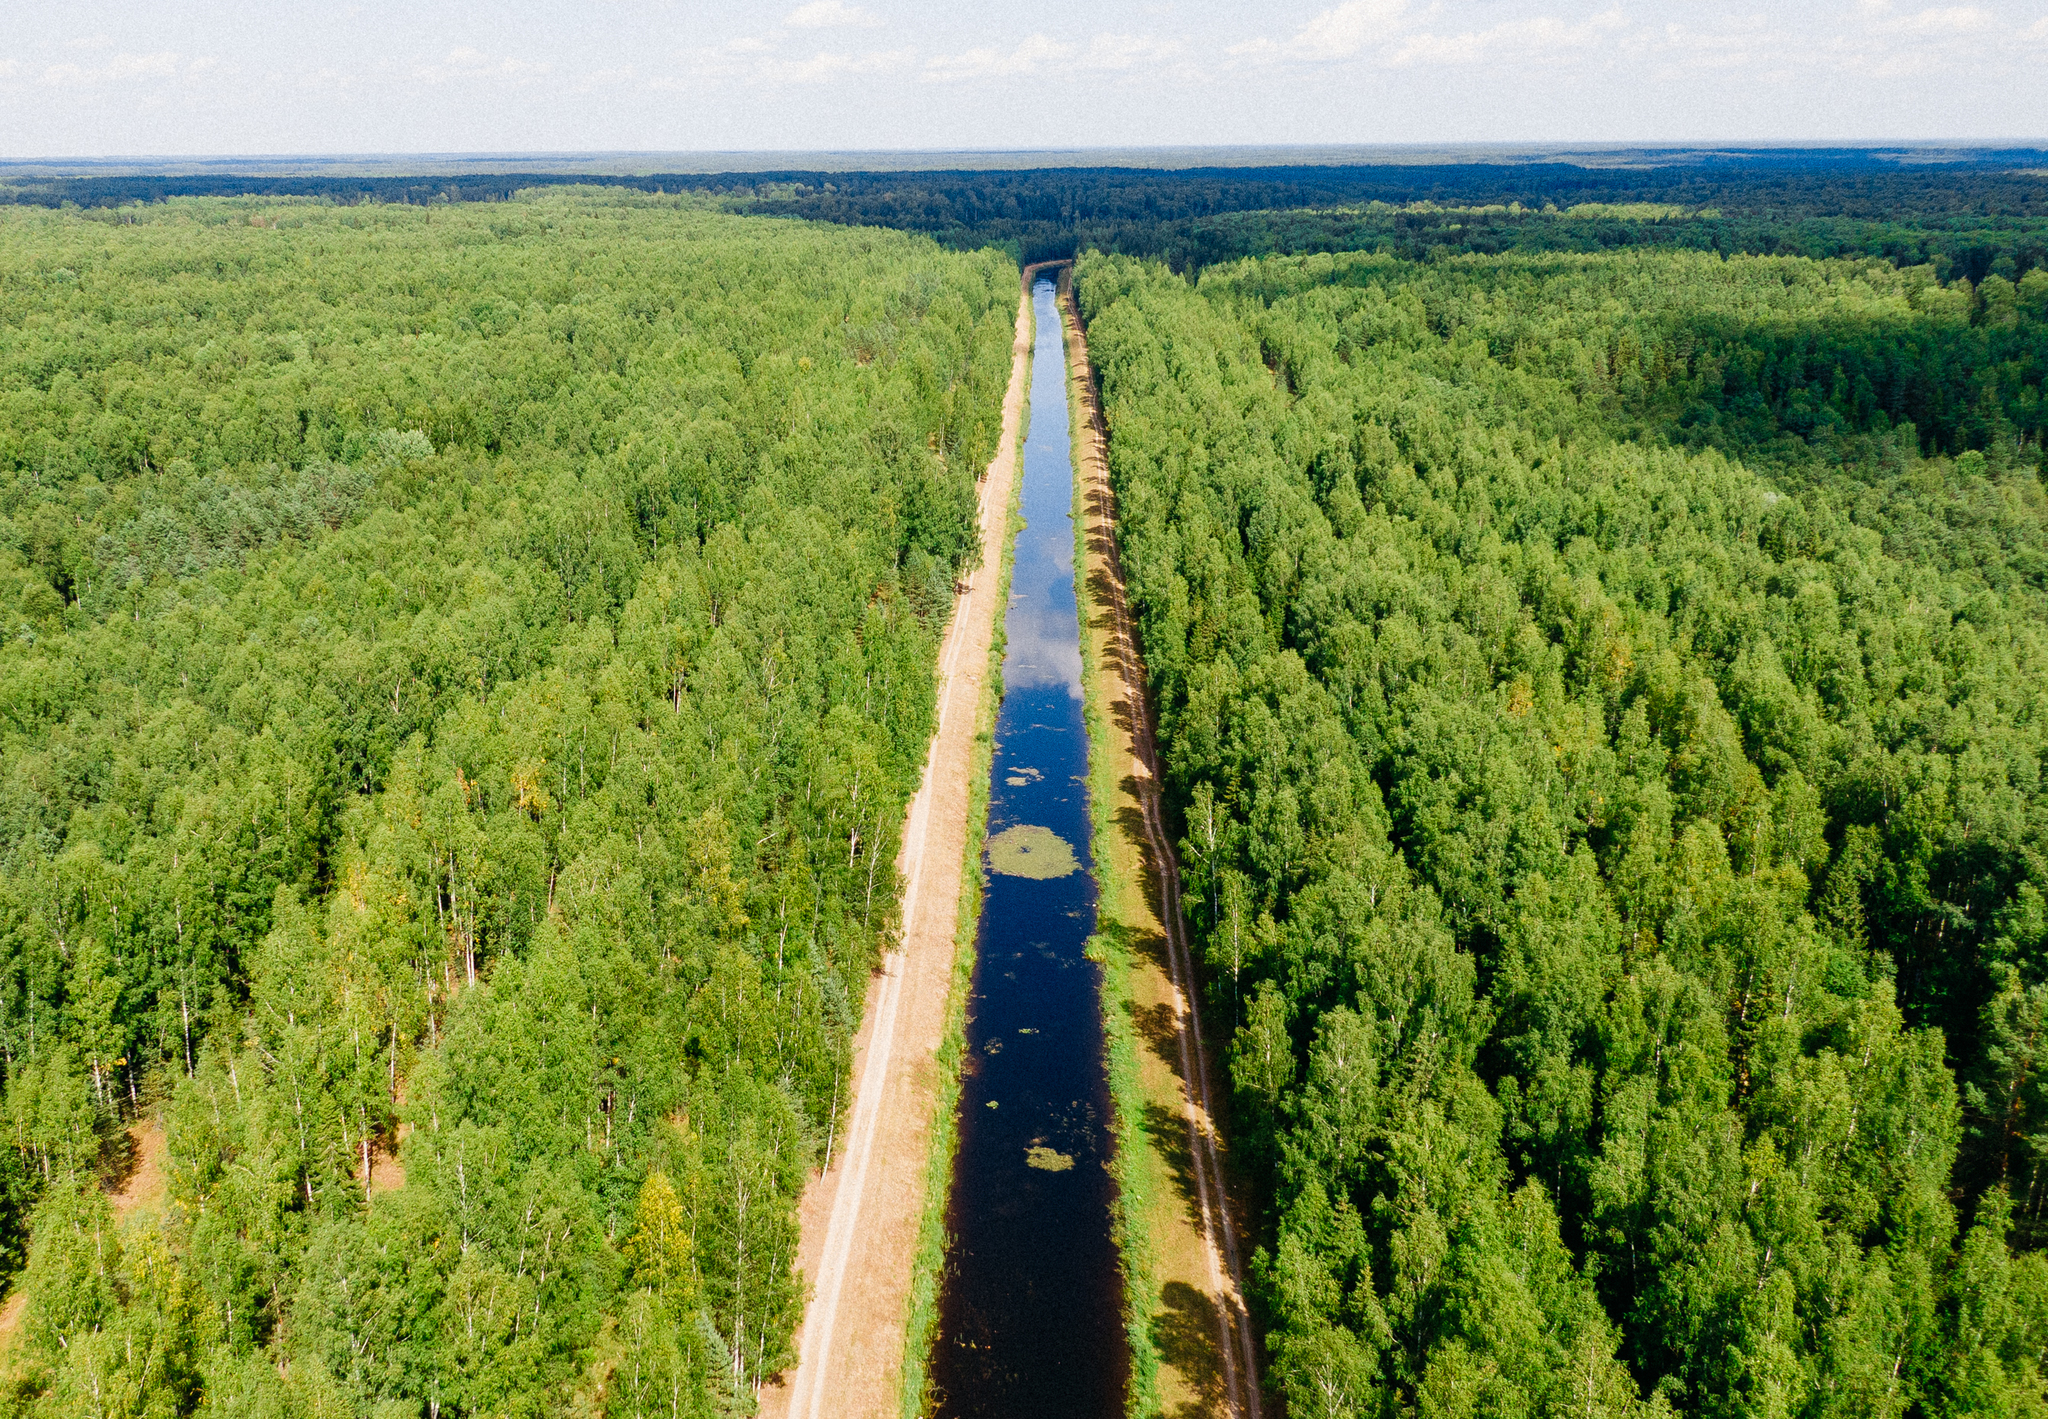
(141, 1189)
(861, 1216)
(1194, 1311)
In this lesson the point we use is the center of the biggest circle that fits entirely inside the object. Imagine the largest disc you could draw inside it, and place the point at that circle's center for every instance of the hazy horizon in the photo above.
(1617, 154)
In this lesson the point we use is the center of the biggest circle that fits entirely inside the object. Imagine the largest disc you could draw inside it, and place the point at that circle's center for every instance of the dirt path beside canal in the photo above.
(862, 1216)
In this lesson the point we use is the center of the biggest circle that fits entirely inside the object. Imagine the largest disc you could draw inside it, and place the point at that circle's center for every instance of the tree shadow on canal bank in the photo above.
(1184, 1331)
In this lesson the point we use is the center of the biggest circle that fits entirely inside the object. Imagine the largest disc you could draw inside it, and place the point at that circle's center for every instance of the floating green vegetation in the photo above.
(1047, 1160)
(1018, 778)
(1028, 850)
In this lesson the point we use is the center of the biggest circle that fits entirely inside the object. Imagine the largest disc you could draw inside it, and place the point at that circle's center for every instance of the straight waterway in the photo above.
(1030, 1306)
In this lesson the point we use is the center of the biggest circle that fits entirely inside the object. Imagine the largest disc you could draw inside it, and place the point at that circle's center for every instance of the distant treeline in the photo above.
(1966, 218)
(1970, 245)
(1819, 206)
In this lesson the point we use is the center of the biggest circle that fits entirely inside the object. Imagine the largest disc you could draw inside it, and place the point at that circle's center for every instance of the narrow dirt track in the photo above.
(860, 1218)
(142, 1190)
(1208, 1229)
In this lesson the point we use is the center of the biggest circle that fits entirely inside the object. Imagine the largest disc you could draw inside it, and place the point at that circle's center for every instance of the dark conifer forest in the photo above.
(1970, 213)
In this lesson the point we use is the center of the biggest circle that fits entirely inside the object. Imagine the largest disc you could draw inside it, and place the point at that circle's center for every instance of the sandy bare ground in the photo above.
(141, 1189)
(860, 1218)
(387, 1168)
(1197, 1317)
(144, 1186)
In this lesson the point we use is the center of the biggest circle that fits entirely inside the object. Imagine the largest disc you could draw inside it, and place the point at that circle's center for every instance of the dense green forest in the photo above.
(1605, 697)
(464, 668)
(467, 650)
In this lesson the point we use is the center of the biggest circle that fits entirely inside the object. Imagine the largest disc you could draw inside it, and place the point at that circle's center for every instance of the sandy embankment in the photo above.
(861, 1218)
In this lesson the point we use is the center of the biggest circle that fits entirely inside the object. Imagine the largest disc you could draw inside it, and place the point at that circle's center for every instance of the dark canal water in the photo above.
(1030, 1310)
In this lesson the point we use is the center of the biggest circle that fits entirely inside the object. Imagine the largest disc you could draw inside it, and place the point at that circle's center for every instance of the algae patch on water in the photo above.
(1028, 850)
(1047, 1160)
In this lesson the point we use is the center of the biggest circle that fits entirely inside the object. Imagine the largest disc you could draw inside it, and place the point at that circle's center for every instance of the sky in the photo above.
(106, 77)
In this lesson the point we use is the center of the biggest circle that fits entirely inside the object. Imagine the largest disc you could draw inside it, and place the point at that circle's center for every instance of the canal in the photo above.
(1030, 1305)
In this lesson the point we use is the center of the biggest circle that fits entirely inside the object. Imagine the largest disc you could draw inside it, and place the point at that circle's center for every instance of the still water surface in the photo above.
(1030, 1312)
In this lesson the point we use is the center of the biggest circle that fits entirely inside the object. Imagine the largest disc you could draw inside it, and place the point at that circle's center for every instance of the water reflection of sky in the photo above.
(1044, 632)
(1038, 654)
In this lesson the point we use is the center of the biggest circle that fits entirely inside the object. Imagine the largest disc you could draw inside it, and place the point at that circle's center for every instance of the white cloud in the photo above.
(1035, 53)
(466, 63)
(329, 79)
(758, 59)
(1941, 20)
(2037, 30)
(832, 15)
(102, 40)
(1540, 35)
(141, 66)
(1745, 43)
(823, 67)
(617, 78)
(1875, 41)
(1122, 52)
(9, 68)
(1386, 31)
(1112, 53)
(732, 59)
(1891, 44)
(1342, 32)
(122, 68)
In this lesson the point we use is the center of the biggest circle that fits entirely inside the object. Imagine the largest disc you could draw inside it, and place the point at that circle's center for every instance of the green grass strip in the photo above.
(1109, 949)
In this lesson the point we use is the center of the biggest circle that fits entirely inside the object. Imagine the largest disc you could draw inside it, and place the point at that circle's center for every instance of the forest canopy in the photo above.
(468, 644)
(464, 669)
(1603, 696)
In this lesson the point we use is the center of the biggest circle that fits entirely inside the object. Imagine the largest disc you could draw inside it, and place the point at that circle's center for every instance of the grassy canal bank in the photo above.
(1181, 1308)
